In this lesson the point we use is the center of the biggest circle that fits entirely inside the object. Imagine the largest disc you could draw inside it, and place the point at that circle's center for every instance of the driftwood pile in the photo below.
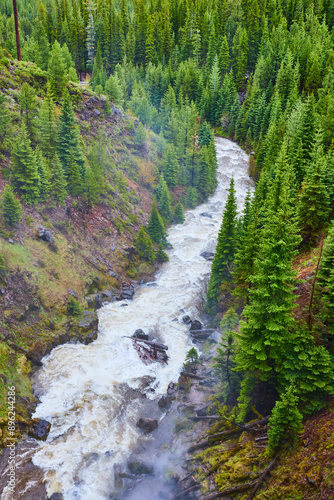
(148, 350)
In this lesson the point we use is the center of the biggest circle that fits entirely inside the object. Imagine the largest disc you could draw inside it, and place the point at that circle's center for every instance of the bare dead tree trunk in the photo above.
(18, 48)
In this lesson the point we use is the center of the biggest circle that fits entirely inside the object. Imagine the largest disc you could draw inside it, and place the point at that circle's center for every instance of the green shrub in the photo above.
(73, 307)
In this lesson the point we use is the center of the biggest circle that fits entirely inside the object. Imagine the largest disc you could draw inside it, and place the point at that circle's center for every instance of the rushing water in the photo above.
(90, 393)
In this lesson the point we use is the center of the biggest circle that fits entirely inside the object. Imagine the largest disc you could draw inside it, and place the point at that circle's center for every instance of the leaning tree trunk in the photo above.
(18, 48)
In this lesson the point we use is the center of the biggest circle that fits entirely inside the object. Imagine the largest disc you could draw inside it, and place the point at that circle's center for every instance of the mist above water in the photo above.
(93, 395)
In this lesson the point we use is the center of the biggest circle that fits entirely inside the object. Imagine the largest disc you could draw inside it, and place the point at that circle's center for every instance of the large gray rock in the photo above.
(88, 321)
(95, 300)
(195, 325)
(206, 214)
(43, 234)
(207, 255)
(39, 429)
(147, 424)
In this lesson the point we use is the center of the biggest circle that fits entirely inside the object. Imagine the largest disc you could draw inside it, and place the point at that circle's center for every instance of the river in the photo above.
(93, 395)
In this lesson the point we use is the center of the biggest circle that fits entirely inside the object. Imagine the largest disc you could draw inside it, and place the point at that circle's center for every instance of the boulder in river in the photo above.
(186, 319)
(165, 402)
(206, 214)
(147, 424)
(196, 325)
(138, 468)
(56, 496)
(207, 255)
(39, 429)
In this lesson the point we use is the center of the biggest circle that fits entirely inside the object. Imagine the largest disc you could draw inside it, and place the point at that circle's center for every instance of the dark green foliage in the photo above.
(144, 246)
(75, 182)
(225, 359)
(47, 126)
(11, 207)
(73, 307)
(313, 207)
(309, 368)
(178, 216)
(171, 167)
(27, 105)
(326, 280)
(69, 144)
(155, 227)
(269, 315)
(285, 421)
(25, 174)
(192, 356)
(57, 70)
(161, 255)
(58, 181)
(191, 197)
(140, 136)
(221, 271)
(44, 177)
(164, 201)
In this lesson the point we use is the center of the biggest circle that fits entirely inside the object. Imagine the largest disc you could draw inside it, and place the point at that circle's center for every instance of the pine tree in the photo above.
(57, 70)
(285, 421)
(161, 255)
(44, 181)
(91, 188)
(222, 264)
(27, 104)
(191, 197)
(144, 245)
(224, 57)
(313, 206)
(164, 201)
(309, 368)
(24, 171)
(225, 359)
(140, 136)
(155, 227)
(69, 137)
(171, 167)
(269, 321)
(178, 217)
(75, 182)
(326, 280)
(58, 181)
(244, 262)
(11, 207)
(47, 126)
